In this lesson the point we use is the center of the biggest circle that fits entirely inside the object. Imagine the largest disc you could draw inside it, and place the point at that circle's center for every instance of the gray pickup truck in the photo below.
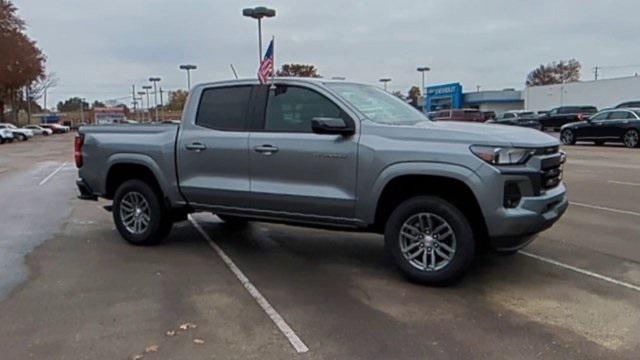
(330, 154)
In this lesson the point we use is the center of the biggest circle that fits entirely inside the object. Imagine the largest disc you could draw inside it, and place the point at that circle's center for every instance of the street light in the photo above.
(423, 91)
(147, 88)
(385, 81)
(155, 81)
(141, 93)
(258, 13)
(188, 68)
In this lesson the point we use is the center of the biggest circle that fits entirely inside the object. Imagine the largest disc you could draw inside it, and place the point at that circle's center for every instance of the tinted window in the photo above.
(599, 117)
(224, 108)
(291, 109)
(568, 110)
(588, 110)
(619, 115)
(509, 116)
(629, 104)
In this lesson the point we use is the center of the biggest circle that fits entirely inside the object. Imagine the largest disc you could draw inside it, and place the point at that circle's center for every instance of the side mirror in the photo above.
(331, 126)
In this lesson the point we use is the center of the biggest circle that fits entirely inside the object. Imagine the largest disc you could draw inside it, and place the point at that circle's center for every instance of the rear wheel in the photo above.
(139, 215)
(631, 138)
(430, 240)
(21, 137)
(567, 137)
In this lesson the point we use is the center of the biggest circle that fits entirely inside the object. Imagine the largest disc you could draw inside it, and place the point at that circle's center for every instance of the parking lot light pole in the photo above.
(141, 93)
(385, 81)
(188, 68)
(258, 13)
(147, 88)
(423, 91)
(155, 81)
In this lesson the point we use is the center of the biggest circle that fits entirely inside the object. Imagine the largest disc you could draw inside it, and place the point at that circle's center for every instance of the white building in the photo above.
(599, 93)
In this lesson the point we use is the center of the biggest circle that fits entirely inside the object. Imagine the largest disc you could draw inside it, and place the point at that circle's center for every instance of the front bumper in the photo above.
(514, 228)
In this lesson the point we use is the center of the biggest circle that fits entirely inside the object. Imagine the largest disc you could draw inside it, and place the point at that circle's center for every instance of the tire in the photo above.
(135, 194)
(568, 137)
(631, 138)
(21, 137)
(400, 233)
(234, 221)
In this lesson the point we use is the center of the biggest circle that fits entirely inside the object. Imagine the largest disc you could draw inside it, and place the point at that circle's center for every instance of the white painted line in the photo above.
(286, 330)
(624, 183)
(628, 212)
(582, 271)
(44, 181)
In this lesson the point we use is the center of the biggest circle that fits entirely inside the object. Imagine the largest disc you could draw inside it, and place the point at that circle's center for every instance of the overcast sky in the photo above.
(99, 48)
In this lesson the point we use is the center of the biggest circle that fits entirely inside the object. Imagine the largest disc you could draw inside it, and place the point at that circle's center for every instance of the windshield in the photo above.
(378, 105)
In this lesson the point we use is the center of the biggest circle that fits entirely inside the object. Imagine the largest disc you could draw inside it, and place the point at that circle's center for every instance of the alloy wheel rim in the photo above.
(631, 139)
(135, 212)
(427, 242)
(567, 137)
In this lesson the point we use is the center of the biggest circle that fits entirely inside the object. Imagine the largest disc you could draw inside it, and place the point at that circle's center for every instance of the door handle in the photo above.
(197, 147)
(266, 149)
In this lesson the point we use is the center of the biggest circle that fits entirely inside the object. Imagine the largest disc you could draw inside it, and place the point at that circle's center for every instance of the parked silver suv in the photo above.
(330, 154)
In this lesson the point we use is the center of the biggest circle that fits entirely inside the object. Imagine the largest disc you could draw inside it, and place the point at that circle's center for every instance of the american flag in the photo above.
(266, 66)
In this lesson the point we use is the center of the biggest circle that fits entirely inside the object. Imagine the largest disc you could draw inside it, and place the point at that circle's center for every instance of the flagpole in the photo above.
(273, 77)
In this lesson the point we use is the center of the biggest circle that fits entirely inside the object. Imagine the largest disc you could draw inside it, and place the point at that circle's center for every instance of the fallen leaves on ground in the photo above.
(198, 341)
(151, 348)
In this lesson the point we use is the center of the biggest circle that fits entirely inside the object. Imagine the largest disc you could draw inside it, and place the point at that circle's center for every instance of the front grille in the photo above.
(551, 170)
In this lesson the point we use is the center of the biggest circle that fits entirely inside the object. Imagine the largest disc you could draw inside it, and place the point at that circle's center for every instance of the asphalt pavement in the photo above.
(71, 288)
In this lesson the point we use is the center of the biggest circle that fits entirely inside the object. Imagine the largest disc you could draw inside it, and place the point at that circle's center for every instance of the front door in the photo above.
(294, 170)
(213, 161)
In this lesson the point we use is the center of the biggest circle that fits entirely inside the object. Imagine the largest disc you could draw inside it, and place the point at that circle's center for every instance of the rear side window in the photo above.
(620, 115)
(224, 108)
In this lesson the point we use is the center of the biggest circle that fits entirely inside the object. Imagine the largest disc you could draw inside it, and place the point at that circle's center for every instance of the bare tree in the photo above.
(39, 89)
(559, 72)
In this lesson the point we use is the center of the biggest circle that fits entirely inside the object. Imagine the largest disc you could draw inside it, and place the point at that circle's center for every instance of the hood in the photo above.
(474, 134)
(574, 124)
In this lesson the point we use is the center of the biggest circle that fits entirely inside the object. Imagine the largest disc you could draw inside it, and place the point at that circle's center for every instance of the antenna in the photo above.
(234, 71)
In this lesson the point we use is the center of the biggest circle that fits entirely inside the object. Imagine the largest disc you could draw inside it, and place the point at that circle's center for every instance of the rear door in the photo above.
(212, 150)
(616, 123)
(295, 171)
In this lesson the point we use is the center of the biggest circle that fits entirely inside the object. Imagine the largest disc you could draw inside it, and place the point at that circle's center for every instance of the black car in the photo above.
(565, 114)
(519, 118)
(616, 125)
(628, 104)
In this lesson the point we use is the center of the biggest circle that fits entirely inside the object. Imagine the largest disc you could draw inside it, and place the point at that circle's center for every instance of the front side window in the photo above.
(224, 108)
(509, 116)
(599, 117)
(378, 105)
(291, 109)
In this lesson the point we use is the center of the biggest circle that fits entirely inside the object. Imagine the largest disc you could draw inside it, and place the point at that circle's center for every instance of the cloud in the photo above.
(98, 49)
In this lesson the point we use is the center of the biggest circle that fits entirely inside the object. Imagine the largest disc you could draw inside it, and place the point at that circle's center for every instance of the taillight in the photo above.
(79, 141)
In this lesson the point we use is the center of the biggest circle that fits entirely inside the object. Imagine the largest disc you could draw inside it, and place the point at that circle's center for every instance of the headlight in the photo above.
(497, 155)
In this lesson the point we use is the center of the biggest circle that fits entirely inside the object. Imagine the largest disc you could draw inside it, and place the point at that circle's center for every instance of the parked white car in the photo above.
(39, 130)
(6, 135)
(20, 134)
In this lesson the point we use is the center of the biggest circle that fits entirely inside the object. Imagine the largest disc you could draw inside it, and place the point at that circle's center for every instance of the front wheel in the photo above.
(139, 215)
(567, 137)
(430, 240)
(631, 138)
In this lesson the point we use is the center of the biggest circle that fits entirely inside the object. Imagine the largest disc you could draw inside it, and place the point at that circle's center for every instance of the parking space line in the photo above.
(582, 271)
(44, 181)
(282, 325)
(623, 183)
(627, 212)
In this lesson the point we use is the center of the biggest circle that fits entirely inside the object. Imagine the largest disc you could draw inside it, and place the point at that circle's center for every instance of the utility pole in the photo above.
(135, 102)
(81, 110)
(147, 88)
(155, 81)
(28, 105)
(161, 103)
(141, 93)
(595, 72)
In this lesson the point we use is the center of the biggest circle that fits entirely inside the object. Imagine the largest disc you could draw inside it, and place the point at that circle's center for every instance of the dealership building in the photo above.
(451, 96)
(599, 93)
(602, 94)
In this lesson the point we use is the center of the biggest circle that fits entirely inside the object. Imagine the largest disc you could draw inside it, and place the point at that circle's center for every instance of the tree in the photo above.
(21, 62)
(412, 96)
(559, 72)
(177, 99)
(97, 104)
(72, 104)
(298, 70)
